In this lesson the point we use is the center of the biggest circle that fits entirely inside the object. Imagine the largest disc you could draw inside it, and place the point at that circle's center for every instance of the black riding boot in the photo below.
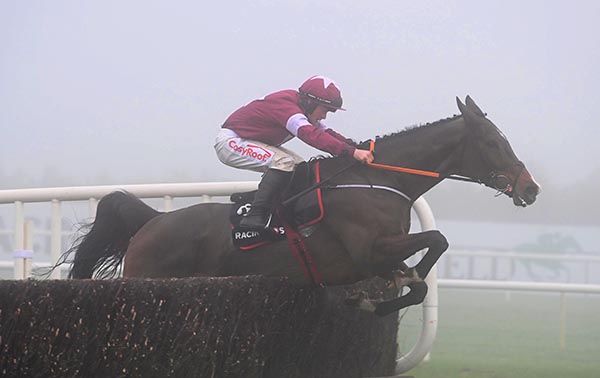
(259, 216)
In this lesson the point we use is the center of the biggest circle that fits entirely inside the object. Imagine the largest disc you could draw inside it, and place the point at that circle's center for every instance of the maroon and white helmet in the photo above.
(322, 90)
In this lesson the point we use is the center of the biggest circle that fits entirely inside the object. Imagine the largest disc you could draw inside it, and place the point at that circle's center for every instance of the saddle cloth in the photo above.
(305, 211)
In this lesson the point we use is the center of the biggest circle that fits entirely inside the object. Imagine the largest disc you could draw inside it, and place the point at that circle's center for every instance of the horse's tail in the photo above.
(119, 216)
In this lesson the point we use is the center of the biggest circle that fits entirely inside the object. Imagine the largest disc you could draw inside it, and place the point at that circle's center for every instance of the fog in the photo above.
(133, 92)
(118, 92)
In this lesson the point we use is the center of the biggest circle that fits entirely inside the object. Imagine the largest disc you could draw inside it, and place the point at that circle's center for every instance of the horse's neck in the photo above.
(436, 147)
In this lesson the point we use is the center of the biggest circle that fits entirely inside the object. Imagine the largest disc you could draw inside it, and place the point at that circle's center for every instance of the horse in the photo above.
(364, 234)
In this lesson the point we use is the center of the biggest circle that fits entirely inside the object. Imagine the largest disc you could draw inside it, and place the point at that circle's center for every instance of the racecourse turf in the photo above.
(489, 334)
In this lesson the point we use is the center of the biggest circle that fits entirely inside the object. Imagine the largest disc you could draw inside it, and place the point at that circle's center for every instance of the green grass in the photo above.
(481, 334)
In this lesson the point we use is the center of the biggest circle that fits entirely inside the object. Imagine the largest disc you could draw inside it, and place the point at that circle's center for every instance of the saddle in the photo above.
(305, 211)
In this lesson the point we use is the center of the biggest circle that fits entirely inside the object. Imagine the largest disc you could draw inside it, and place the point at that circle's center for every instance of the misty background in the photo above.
(112, 92)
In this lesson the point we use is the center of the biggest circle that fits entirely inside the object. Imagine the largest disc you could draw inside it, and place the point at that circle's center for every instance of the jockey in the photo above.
(252, 136)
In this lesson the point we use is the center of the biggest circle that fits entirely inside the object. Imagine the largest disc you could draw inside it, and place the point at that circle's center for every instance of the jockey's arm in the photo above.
(321, 139)
(340, 137)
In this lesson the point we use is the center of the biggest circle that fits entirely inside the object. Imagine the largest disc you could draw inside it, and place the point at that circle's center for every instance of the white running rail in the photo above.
(19, 197)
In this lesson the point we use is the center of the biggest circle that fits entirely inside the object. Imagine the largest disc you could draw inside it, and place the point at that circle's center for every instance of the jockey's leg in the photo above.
(273, 182)
(278, 164)
(281, 166)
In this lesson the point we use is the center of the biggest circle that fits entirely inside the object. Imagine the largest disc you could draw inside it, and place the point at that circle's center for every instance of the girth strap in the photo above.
(367, 186)
(303, 255)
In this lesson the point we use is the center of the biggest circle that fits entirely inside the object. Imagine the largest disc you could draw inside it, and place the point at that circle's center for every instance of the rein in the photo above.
(318, 184)
(419, 172)
(412, 171)
(493, 176)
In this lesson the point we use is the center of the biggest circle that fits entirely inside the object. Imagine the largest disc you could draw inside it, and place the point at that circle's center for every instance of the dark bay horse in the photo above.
(364, 234)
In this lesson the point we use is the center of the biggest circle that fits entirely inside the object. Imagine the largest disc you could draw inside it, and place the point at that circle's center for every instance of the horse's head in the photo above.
(488, 157)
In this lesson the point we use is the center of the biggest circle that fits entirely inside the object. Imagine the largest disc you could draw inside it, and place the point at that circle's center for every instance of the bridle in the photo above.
(491, 182)
(493, 177)
(509, 188)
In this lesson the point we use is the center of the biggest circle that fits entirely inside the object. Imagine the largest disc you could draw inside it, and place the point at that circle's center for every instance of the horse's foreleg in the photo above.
(391, 251)
(416, 295)
(394, 276)
(388, 257)
(405, 277)
(418, 291)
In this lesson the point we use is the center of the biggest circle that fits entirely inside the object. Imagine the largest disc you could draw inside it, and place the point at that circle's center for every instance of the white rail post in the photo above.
(168, 201)
(423, 345)
(23, 255)
(92, 207)
(28, 252)
(55, 237)
(19, 241)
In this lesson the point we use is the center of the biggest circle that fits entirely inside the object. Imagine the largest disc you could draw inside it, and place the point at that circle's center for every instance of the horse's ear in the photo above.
(471, 105)
(467, 113)
(461, 106)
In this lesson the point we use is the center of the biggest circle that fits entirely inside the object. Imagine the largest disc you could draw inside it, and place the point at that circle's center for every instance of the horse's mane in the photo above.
(411, 130)
(398, 134)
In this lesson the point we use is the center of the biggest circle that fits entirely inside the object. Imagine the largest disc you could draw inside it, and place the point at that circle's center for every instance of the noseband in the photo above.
(494, 177)
(508, 188)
